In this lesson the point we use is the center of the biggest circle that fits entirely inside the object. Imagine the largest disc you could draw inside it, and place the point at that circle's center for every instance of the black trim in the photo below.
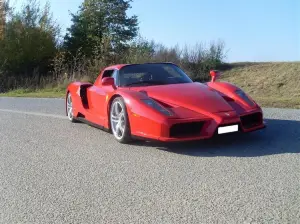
(145, 138)
(83, 120)
(251, 120)
(181, 130)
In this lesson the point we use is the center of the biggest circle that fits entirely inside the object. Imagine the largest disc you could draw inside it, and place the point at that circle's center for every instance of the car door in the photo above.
(98, 95)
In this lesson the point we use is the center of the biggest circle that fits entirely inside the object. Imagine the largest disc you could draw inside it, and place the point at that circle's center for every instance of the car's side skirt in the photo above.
(83, 120)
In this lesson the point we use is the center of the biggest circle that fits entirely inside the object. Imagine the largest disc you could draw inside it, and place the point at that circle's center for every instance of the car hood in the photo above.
(194, 96)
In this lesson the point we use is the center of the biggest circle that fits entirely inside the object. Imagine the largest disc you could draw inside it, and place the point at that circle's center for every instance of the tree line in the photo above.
(34, 53)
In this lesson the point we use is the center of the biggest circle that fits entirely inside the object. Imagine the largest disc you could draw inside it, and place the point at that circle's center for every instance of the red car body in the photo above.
(197, 110)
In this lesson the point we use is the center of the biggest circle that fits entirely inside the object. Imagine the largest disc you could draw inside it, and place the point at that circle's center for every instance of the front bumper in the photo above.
(177, 130)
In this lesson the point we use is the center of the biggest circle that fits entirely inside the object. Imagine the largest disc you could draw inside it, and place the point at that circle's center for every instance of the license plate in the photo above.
(228, 129)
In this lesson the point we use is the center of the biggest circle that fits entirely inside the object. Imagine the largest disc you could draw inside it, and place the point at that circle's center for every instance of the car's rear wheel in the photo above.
(119, 121)
(69, 105)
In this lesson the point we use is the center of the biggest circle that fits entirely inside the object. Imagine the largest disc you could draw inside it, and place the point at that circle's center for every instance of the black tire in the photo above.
(126, 136)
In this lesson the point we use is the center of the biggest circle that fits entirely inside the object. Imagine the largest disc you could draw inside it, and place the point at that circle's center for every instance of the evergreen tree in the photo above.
(99, 25)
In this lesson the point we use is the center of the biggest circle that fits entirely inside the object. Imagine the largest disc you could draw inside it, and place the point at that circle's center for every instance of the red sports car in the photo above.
(158, 101)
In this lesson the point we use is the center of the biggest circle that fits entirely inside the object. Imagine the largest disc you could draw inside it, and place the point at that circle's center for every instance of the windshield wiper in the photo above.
(147, 83)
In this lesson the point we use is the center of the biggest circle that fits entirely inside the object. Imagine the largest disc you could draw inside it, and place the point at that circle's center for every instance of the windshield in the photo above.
(152, 74)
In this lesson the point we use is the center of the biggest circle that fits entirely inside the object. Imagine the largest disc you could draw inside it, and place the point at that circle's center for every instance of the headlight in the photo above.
(243, 95)
(157, 106)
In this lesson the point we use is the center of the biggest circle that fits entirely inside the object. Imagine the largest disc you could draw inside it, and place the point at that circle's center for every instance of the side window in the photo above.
(111, 73)
(107, 73)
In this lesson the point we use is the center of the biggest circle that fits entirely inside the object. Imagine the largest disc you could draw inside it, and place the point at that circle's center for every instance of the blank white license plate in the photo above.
(228, 129)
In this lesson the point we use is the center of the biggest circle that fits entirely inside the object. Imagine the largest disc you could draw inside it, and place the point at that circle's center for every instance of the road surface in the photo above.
(54, 171)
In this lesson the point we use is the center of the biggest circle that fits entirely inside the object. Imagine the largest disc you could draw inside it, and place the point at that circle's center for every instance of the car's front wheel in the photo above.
(119, 121)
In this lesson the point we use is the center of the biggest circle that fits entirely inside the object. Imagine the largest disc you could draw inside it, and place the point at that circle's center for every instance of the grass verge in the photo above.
(40, 93)
(271, 84)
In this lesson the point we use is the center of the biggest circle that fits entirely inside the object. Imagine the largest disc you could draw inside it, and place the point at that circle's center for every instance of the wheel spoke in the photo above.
(121, 115)
(118, 129)
(122, 129)
(114, 118)
(116, 109)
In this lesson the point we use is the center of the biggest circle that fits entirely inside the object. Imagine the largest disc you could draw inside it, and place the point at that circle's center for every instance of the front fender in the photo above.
(223, 87)
(142, 118)
(229, 90)
(135, 105)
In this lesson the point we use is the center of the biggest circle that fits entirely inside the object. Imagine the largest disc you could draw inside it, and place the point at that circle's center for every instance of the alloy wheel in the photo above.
(117, 118)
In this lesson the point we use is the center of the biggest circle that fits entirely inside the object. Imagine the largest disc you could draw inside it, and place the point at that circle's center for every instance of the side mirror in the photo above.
(214, 75)
(108, 81)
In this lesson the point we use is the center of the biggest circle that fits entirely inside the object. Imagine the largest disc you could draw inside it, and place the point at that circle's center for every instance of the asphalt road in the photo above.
(53, 171)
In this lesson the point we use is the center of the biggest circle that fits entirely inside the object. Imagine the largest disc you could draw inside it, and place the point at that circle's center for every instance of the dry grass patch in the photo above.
(270, 84)
(275, 84)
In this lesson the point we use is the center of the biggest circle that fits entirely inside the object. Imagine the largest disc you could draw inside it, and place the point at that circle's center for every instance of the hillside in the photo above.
(273, 84)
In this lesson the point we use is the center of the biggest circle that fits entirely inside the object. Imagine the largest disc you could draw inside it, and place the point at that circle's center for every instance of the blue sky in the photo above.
(253, 30)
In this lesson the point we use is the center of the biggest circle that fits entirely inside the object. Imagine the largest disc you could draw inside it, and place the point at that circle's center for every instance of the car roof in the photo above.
(119, 66)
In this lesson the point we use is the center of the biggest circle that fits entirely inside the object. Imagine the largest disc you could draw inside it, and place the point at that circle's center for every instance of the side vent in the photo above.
(164, 104)
(83, 95)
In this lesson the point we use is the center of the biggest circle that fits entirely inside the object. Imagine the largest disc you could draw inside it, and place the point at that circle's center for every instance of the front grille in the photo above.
(251, 120)
(186, 129)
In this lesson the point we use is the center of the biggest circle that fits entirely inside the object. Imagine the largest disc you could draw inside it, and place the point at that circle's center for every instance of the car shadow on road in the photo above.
(280, 136)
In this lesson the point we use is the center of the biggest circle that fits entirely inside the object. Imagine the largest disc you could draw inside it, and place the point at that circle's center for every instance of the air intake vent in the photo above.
(186, 129)
(251, 120)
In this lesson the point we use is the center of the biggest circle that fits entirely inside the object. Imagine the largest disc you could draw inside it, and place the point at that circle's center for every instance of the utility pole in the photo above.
(2, 18)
